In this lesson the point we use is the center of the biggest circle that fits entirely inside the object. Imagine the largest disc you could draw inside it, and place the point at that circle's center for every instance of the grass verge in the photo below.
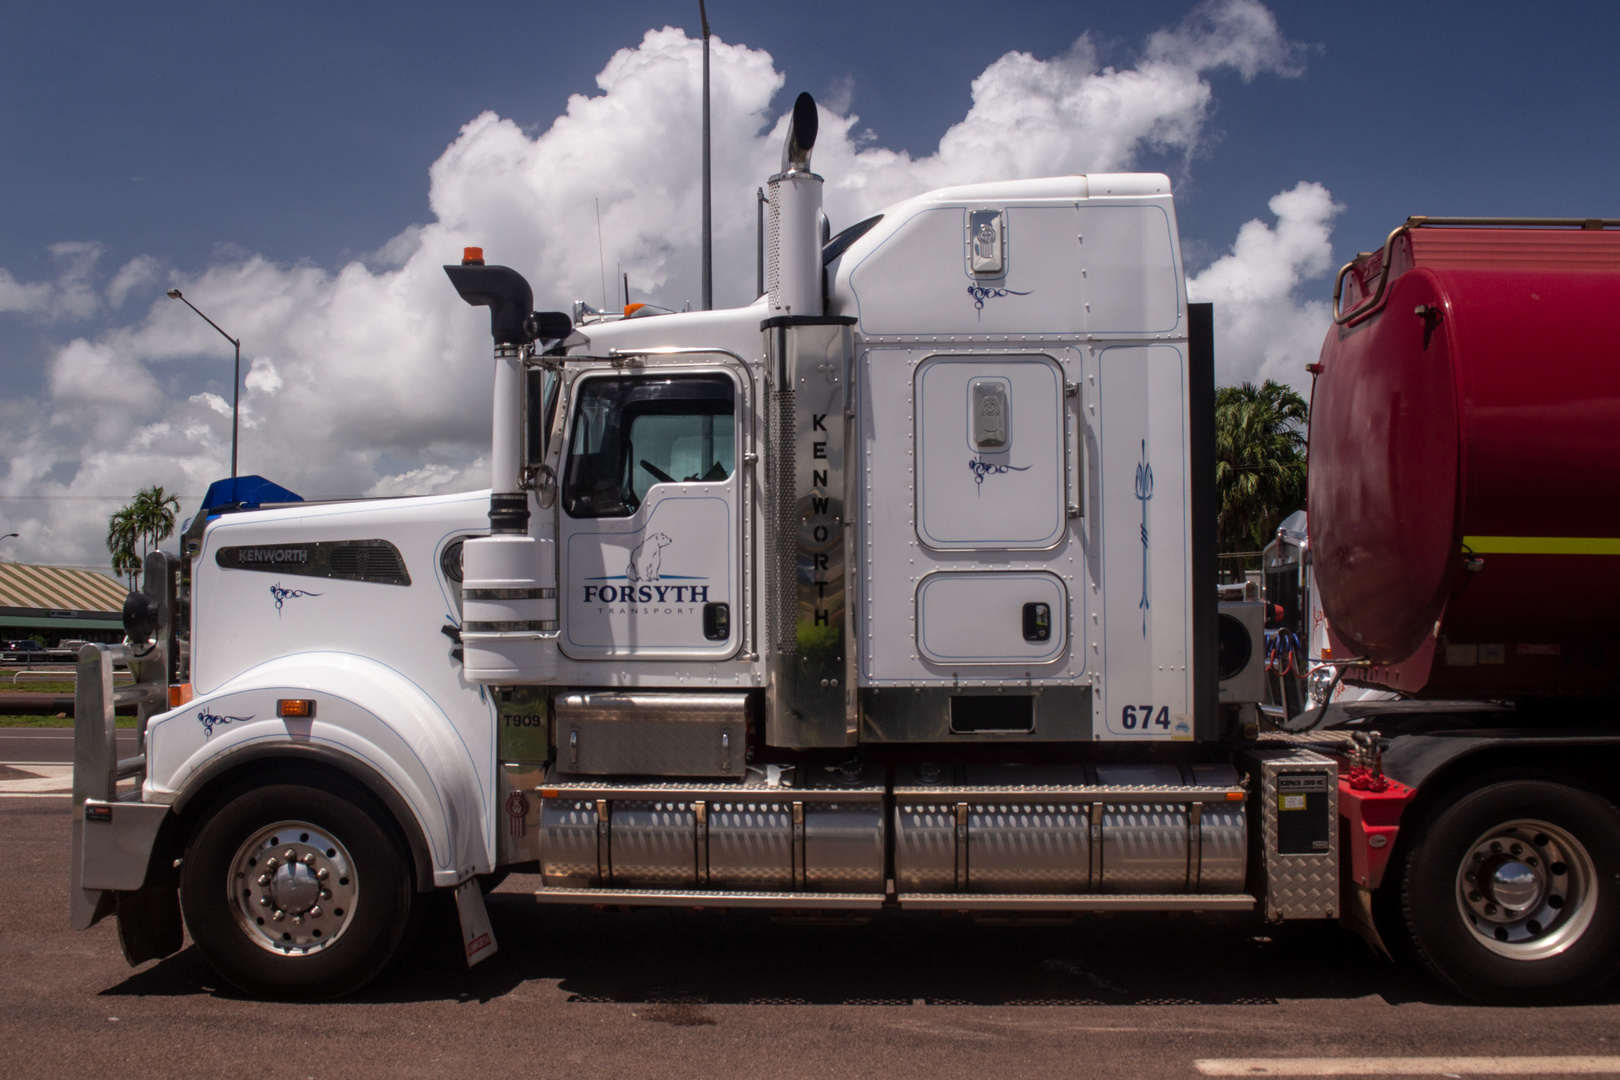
(53, 721)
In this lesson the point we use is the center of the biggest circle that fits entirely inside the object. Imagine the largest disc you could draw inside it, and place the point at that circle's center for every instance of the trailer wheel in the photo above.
(1512, 895)
(294, 891)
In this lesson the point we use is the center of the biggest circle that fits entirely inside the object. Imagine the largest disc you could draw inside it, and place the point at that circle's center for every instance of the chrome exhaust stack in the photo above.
(793, 228)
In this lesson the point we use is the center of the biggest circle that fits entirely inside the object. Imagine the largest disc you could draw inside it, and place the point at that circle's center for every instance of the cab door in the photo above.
(650, 529)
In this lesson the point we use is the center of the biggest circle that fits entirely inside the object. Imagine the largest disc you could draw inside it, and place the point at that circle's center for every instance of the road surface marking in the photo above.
(45, 779)
(1564, 1065)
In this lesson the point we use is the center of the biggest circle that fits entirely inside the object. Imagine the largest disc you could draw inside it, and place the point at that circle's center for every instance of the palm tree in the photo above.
(1259, 461)
(121, 539)
(147, 520)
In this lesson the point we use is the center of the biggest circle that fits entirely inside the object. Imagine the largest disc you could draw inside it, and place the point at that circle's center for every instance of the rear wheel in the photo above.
(1512, 895)
(296, 891)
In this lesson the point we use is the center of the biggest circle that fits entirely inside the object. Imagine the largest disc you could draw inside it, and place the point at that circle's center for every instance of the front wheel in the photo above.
(1512, 895)
(296, 891)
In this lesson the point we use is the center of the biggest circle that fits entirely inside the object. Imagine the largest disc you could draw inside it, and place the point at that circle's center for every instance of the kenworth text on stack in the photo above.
(896, 589)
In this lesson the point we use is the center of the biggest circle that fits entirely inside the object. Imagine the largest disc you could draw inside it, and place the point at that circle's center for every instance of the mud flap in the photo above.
(477, 937)
(1356, 914)
(149, 925)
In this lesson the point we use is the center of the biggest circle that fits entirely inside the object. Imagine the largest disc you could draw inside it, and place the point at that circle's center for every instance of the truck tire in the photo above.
(1512, 893)
(297, 891)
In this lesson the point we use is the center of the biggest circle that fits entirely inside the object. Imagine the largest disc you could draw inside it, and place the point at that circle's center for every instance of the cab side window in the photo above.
(634, 431)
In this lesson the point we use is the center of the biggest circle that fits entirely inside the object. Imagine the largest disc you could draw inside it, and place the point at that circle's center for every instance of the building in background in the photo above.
(56, 604)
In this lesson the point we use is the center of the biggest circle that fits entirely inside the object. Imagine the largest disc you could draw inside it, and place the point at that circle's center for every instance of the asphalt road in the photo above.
(52, 744)
(670, 995)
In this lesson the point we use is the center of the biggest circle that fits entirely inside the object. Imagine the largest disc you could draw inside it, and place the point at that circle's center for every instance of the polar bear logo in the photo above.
(645, 557)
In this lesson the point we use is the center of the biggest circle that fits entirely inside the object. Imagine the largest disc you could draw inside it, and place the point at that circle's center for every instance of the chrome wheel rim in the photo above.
(1527, 889)
(293, 888)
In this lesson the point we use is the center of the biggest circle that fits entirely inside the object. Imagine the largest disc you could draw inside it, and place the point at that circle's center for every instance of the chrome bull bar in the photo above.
(114, 859)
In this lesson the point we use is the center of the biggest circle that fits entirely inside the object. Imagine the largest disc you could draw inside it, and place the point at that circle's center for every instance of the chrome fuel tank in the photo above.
(1072, 829)
(823, 834)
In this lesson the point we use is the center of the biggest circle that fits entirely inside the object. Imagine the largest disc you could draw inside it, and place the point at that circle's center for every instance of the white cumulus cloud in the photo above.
(138, 271)
(370, 377)
(1263, 330)
(71, 296)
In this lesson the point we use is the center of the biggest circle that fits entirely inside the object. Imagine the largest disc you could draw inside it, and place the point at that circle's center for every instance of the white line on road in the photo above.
(1566, 1065)
(46, 779)
(36, 794)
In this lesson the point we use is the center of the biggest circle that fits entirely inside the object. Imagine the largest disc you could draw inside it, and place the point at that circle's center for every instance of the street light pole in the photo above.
(236, 386)
(708, 249)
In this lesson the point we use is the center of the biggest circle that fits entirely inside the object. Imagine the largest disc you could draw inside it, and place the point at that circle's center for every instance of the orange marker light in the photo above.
(179, 694)
(472, 256)
(296, 708)
(1234, 796)
(631, 309)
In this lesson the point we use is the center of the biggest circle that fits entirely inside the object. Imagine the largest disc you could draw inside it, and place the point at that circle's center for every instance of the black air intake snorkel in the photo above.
(513, 323)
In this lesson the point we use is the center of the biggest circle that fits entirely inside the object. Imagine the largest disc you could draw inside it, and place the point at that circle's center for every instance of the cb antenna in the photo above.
(601, 260)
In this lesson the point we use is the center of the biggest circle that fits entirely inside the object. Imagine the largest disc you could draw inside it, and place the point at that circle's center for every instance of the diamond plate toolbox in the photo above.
(1296, 848)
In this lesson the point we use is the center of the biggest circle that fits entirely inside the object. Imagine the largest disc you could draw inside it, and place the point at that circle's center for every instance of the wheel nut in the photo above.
(322, 874)
(264, 901)
(1490, 909)
(326, 894)
(264, 879)
(1475, 896)
(1496, 846)
(298, 920)
(272, 862)
(315, 912)
(277, 916)
(292, 855)
(309, 860)
(1516, 848)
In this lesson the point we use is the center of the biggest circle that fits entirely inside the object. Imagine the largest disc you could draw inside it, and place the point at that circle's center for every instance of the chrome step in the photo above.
(694, 898)
(1077, 902)
(806, 901)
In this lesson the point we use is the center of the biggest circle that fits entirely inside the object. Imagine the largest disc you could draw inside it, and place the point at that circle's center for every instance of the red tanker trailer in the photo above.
(1464, 500)
(1464, 489)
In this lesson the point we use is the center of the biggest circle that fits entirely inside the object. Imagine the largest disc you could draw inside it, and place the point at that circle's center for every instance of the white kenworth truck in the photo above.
(894, 589)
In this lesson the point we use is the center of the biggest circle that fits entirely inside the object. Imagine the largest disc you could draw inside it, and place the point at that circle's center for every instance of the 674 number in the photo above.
(1144, 716)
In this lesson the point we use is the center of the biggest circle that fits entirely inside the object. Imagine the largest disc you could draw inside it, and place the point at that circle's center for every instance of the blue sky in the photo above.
(304, 131)
(249, 152)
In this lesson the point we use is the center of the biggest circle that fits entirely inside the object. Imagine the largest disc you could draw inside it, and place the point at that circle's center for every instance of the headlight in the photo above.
(1320, 681)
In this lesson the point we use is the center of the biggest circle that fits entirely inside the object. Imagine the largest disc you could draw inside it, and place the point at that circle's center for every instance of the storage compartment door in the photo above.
(991, 467)
(992, 617)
